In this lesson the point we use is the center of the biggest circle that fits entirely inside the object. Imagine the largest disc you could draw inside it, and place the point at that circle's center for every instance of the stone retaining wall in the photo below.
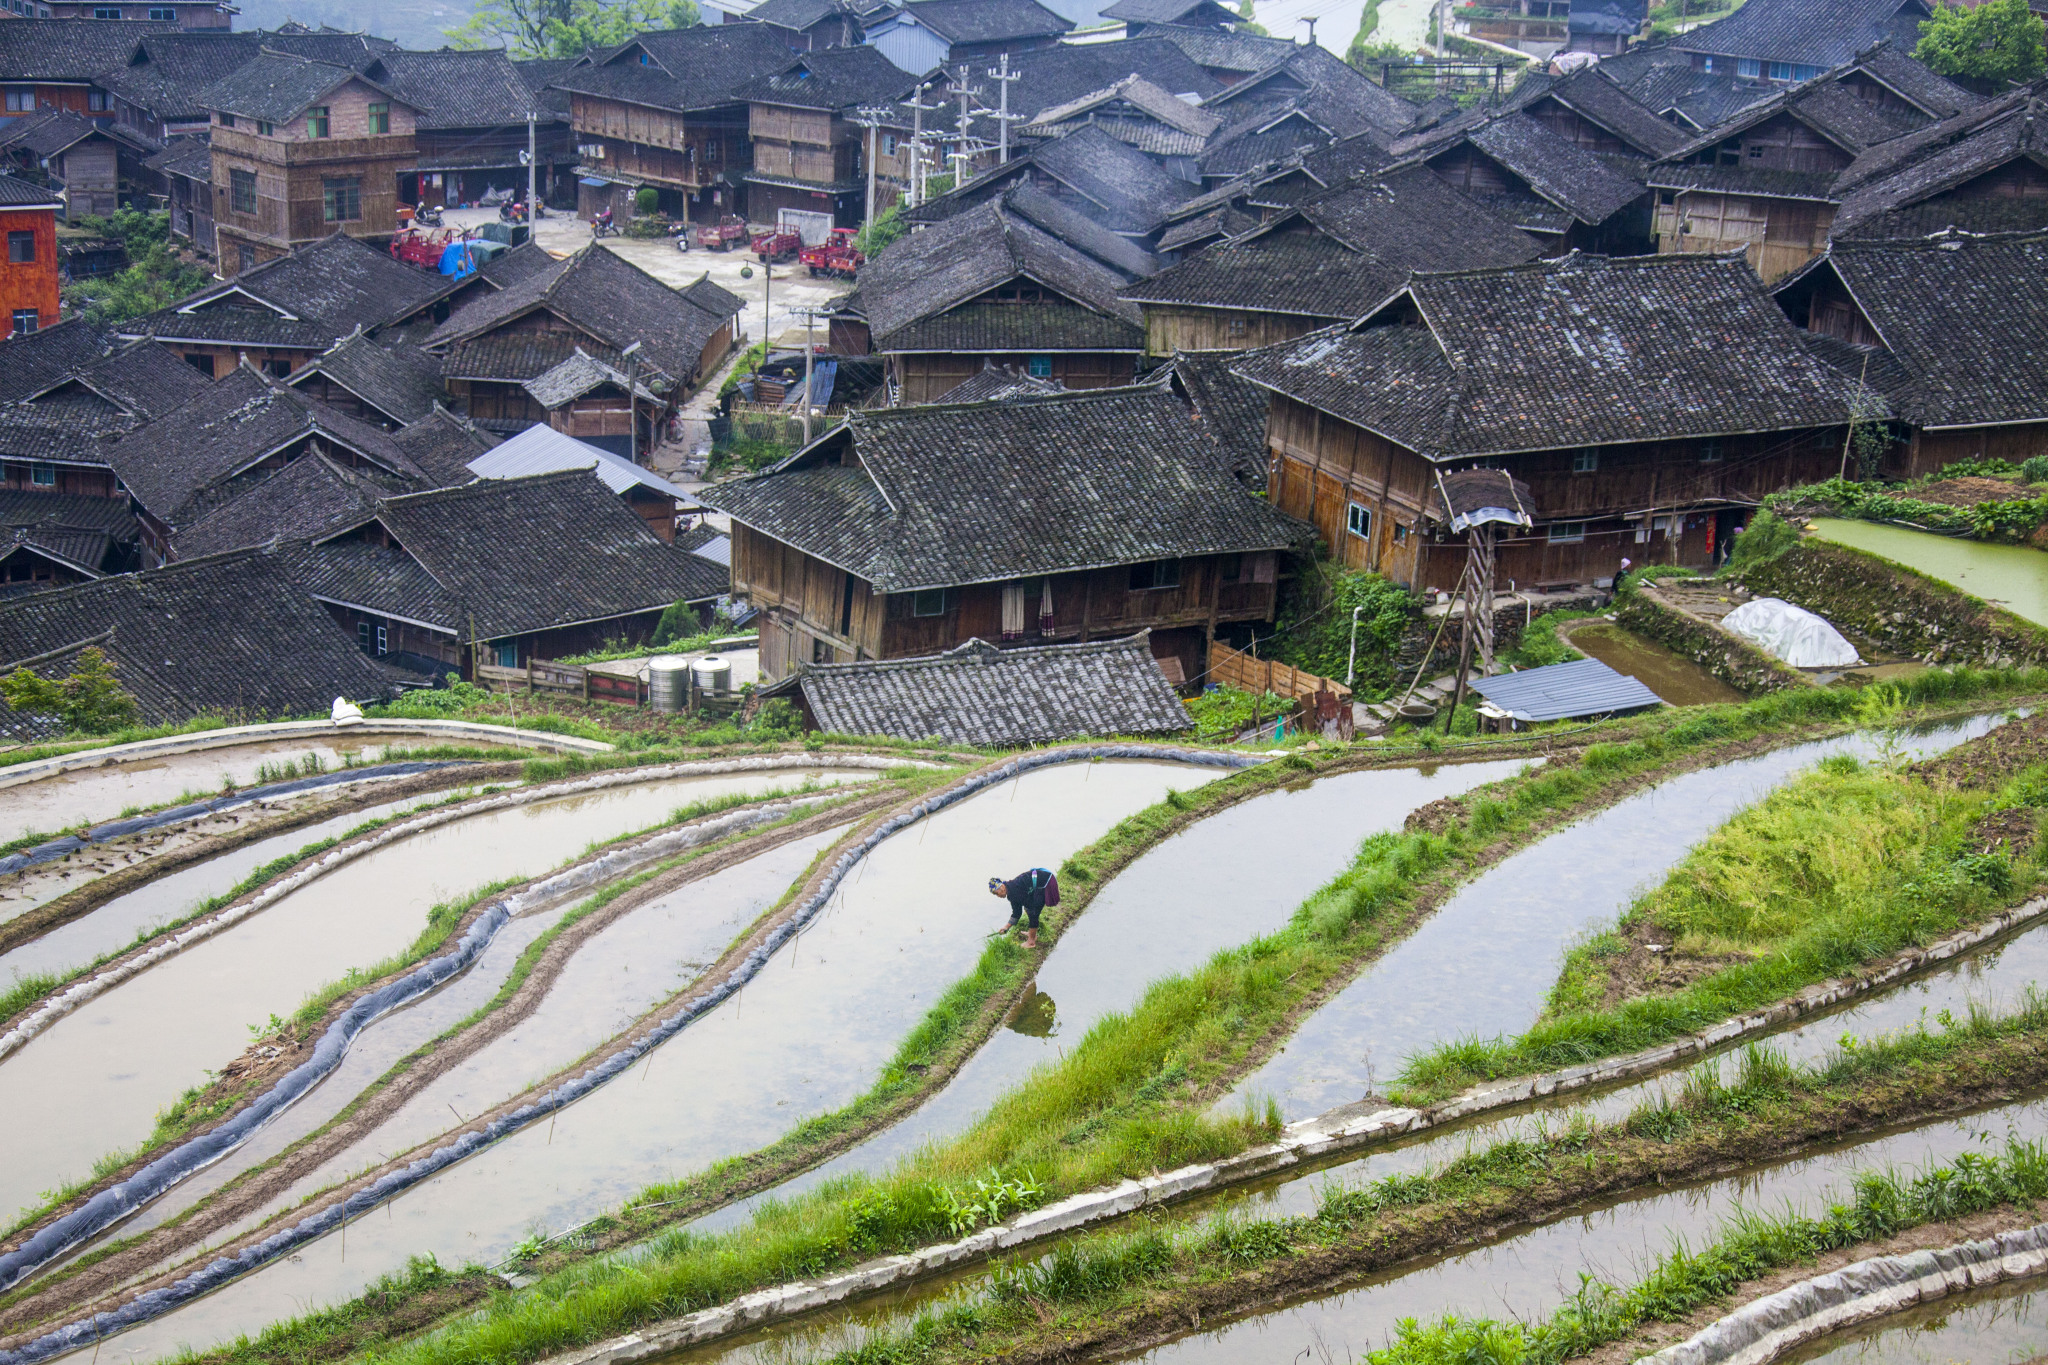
(1721, 652)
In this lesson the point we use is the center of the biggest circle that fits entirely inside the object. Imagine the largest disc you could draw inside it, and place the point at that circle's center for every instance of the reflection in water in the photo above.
(2001, 1326)
(1671, 676)
(1034, 1016)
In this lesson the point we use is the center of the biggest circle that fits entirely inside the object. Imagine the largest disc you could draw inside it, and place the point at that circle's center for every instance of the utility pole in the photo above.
(632, 357)
(917, 108)
(532, 174)
(960, 153)
(1310, 21)
(1443, 28)
(870, 116)
(1003, 118)
(810, 351)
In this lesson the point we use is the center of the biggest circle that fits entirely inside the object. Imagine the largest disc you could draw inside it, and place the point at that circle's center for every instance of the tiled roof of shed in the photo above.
(442, 445)
(188, 157)
(402, 382)
(996, 383)
(32, 507)
(986, 21)
(1133, 192)
(1233, 408)
(308, 498)
(831, 78)
(180, 652)
(16, 193)
(1068, 224)
(1823, 33)
(459, 89)
(976, 693)
(70, 50)
(941, 495)
(1579, 351)
(277, 87)
(1014, 327)
(518, 356)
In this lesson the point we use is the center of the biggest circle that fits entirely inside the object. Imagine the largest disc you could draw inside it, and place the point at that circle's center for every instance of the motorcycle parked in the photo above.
(601, 224)
(681, 232)
(427, 215)
(512, 211)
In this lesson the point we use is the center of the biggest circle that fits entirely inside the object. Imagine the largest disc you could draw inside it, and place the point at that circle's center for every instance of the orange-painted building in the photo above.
(28, 275)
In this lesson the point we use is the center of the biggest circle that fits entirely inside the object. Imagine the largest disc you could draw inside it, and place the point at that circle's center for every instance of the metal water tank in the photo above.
(714, 676)
(668, 682)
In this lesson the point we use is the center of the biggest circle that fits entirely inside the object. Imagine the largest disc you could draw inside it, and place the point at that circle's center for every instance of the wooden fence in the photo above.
(1234, 668)
(566, 680)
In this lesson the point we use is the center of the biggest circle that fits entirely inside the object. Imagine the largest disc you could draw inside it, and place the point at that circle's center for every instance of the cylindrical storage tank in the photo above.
(714, 676)
(668, 682)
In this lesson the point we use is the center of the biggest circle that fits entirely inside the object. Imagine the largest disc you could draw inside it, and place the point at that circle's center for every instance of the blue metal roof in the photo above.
(1562, 691)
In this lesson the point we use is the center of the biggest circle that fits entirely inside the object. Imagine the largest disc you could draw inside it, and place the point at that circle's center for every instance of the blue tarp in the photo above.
(456, 260)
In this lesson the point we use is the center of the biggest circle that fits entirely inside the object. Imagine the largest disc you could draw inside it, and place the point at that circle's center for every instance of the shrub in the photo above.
(1766, 538)
(1993, 43)
(89, 701)
(1315, 624)
(1224, 712)
(646, 199)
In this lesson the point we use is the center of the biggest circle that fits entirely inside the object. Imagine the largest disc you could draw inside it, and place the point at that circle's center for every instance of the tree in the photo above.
(156, 279)
(1244, 12)
(567, 28)
(89, 702)
(1997, 42)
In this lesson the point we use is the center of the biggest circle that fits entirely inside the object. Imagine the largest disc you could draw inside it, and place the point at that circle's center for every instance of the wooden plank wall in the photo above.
(1235, 668)
(1321, 465)
(1169, 329)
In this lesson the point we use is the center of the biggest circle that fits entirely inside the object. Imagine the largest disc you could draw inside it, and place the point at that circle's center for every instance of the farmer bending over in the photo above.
(1029, 893)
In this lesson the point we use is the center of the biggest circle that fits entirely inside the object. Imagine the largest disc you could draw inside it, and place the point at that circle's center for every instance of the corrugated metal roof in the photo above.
(1561, 691)
(543, 450)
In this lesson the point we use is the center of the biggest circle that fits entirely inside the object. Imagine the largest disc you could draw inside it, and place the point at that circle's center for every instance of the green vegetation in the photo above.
(1361, 52)
(1221, 714)
(155, 276)
(1539, 644)
(89, 700)
(1673, 17)
(749, 361)
(1314, 628)
(567, 28)
(749, 453)
(1993, 43)
(1840, 866)
(887, 226)
(1247, 21)
(2011, 519)
(1767, 538)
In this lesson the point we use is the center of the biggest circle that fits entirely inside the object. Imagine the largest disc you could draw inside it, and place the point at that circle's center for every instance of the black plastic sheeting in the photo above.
(71, 843)
(156, 1302)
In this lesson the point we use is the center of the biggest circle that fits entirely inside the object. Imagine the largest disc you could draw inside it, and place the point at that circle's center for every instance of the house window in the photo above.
(317, 124)
(21, 248)
(162, 13)
(930, 602)
(1400, 533)
(1710, 452)
(279, 369)
(25, 320)
(43, 475)
(380, 119)
(1567, 532)
(97, 101)
(341, 201)
(245, 257)
(201, 363)
(1160, 573)
(1585, 461)
(242, 192)
(1781, 71)
(106, 11)
(1748, 66)
(383, 642)
(1041, 367)
(364, 640)
(226, 120)
(1358, 520)
(821, 652)
(264, 128)
(21, 101)
(1232, 568)
(889, 144)
(505, 653)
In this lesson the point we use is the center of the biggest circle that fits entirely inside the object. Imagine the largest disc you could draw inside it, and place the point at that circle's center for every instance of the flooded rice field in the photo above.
(1509, 928)
(2001, 1326)
(807, 1035)
(94, 795)
(1672, 676)
(97, 1076)
(1222, 882)
(116, 924)
(2012, 576)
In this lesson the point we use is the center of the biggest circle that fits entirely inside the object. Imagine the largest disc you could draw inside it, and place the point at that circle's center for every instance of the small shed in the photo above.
(1585, 687)
(543, 450)
(977, 693)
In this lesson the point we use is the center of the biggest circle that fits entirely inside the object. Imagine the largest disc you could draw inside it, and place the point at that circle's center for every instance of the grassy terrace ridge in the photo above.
(1129, 1098)
(1097, 1296)
(1842, 866)
(203, 1105)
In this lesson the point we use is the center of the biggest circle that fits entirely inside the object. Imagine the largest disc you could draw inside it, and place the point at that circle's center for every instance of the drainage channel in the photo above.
(805, 1036)
(2005, 1323)
(1232, 877)
(121, 920)
(625, 969)
(1510, 926)
(96, 1077)
(54, 803)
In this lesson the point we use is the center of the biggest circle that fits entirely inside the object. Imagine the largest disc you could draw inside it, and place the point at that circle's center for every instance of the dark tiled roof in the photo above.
(530, 554)
(1940, 157)
(16, 193)
(308, 498)
(168, 70)
(1983, 214)
(1077, 230)
(1005, 327)
(517, 356)
(1205, 227)
(402, 382)
(979, 694)
(1594, 96)
(316, 295)
(1133, 193)
(694, 68)
(522, 262)
(275, 86)
(795, 14)
(190, 157)
(1560, 171)
(986, 21)
(1815, 186)
(613, 301)
(576, 376)
(33, 363)
(1052, 76)
(442, 445)
(950, 263)
(1963, 316)
(1830, 110)
(1133, 98)
(1579, 351)
(452, 89)
(46, 134)
(832, 78)
(1823, 33)
(996, 383)
(1663, 81)
(1162, 11)
(185, 462)
(1234, 409)
(945, 495)
(1873, 366)
(109, 517)
(1341, 252)
(1933, 94)
(69, 50)
(29, 433)
(139, 379)
(231, 634)
(85, 551)
(384, 580)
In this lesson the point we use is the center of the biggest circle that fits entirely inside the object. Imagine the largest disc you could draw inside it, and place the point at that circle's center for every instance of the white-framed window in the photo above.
(1585, 461)
(26, 320)
(21, 100)
(1748, 66)
(1041, 367)
(930, 602)
(1358, 520)
(383, 641)
(889, 144)
(1567, 532)
(98, 101)
(106, 11)
(43, 475)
